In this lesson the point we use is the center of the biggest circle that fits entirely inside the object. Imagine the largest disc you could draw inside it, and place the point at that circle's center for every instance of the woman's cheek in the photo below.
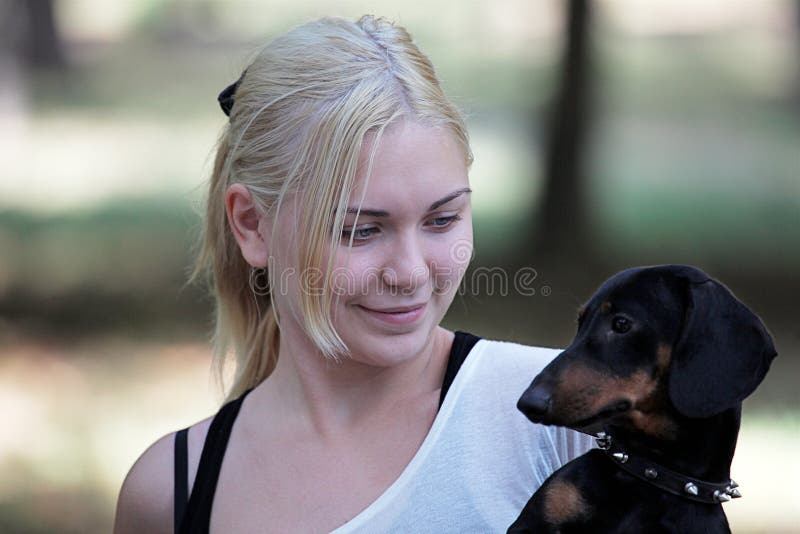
(448, 270)
(353, 276)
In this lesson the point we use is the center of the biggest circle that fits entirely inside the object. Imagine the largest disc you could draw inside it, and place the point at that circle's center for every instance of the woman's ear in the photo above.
(249, 226)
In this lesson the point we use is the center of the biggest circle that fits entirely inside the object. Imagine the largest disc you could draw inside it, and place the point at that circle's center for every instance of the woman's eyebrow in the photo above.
(382, 213)
(448, 198)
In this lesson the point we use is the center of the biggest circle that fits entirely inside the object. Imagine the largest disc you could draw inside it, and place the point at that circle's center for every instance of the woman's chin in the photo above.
(391, 346)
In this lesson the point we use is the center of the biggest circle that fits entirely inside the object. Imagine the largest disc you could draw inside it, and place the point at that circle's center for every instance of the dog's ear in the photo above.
(722, 354)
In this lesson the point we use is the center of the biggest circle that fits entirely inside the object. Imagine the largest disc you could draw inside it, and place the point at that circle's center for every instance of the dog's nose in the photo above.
(535, 401)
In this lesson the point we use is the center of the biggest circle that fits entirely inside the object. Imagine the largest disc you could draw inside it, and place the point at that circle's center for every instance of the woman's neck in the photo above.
(311, 394)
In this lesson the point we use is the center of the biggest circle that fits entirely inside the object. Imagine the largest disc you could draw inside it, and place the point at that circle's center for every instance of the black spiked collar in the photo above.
(663, 478)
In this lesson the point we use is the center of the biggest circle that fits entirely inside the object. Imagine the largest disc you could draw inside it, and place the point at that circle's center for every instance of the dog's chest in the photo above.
(590, 494)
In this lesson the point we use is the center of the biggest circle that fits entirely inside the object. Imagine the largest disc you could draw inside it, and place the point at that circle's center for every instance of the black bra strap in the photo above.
(462, 345)
(181, 475)
(202, 497)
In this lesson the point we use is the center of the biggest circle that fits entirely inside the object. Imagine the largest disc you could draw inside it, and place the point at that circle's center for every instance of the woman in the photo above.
(338, 229)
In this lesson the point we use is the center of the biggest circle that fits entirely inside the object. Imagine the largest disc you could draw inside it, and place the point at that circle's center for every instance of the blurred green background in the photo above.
(692, 156)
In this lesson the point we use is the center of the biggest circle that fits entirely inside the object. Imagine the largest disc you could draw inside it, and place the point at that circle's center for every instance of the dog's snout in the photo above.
(535, 401)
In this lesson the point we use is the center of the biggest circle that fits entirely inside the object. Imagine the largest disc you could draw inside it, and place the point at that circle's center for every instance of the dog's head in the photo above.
(653, 342)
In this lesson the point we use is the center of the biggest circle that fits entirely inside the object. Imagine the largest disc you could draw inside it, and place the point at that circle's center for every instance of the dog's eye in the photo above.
(620, 324)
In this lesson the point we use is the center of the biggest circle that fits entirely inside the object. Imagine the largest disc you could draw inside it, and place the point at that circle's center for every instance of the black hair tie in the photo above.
(226, 97)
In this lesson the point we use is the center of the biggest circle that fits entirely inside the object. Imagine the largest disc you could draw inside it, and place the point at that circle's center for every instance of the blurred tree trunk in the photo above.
(42, 47)
(561, 229)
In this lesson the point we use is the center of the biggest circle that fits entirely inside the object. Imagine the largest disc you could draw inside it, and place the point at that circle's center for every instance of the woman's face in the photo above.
(411, 243)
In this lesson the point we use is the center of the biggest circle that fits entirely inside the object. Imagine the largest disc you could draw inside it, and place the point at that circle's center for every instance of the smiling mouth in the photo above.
(397, 310)
(400, 315)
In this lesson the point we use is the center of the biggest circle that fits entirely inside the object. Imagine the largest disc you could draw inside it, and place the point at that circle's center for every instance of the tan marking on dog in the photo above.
(663, 357)
(605, 307)
(563, 502)
(650, 414)
(657, 425)
(583, 392)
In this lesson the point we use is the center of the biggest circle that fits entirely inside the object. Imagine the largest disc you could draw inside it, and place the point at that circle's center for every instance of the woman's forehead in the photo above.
(412, 163)
(414, 166)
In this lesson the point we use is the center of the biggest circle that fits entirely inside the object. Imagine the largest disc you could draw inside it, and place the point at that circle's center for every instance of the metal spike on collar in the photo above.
(690, 488)
(733, 484)
(721, 496)
(603, 441)
(621, 456)
(650, 473)
(733, 492)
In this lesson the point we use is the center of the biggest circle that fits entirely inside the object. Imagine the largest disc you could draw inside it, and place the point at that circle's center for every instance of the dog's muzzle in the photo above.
(535, 402)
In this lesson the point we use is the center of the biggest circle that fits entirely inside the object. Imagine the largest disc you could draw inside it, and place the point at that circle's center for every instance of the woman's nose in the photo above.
(406, 267)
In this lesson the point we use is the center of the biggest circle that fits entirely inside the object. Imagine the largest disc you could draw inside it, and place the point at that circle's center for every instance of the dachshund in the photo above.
(661, 361)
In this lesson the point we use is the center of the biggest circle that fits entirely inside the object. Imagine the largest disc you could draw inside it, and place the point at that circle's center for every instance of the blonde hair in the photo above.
(301, 113)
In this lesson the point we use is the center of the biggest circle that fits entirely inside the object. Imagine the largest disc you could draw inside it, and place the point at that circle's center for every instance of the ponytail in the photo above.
(245, 321)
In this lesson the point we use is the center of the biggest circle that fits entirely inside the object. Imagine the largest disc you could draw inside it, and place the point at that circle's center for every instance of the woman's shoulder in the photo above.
(505, 370)
(516, 356)
(146, 499)
(503, 367)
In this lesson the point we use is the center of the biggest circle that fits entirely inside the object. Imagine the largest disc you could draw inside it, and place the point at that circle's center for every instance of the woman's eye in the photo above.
(444, 222)
(359, 234)
(620, 324)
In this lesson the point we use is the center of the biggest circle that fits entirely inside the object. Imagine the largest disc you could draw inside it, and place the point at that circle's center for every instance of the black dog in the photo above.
(661, 362)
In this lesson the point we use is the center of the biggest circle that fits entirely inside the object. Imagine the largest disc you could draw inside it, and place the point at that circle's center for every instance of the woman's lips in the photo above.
(400, 315)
